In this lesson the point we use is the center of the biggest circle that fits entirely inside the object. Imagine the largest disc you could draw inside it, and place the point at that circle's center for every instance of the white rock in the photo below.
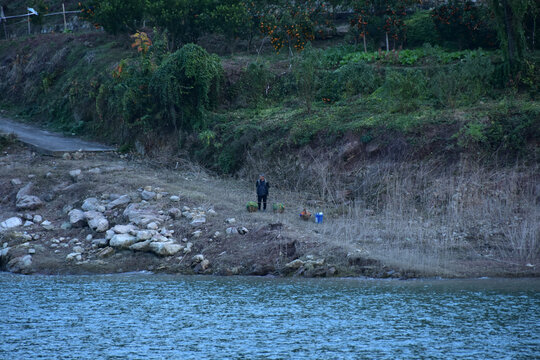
(205, 264)
(77, 218)
(295, 264)
(185, 208)
(141, 216)
(66, 156)
(105, 252)
(148, 195)
(28, 223)
(47, 225)
(89, 237)
(28, 202)
(231, 230)
(95, 171)
(99, 243)
(37, 219)
(16, 182)
(25, 190)
(152, 226)
(92, 204)
(198, 221)
(31, 251)
(78, 249)
(196, 234)
(4, 251)
(74, 256)
(141, 246)
(148, 188)
(217, 234)
(198, 258)
(75, 174)
(175, 198)
(109, 234)
(122, 200)
(19, 264)
(144, 234)
(11, 223)
(165, 249)
(175, 213)
(97, 221)
(122, 241)
(211, 212)
(123, 229)
(230, 220)
(188, 247)
(242, 230)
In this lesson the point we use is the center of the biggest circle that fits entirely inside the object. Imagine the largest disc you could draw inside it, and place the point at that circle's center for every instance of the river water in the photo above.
(145, 316)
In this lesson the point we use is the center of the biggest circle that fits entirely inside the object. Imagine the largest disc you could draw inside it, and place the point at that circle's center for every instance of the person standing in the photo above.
(262, 187)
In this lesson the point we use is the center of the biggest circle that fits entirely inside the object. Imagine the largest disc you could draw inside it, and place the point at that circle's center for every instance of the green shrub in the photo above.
(182, 85)
(253, 86)
(421, 29)
(358, 78)
(463, 83)
(407, 88)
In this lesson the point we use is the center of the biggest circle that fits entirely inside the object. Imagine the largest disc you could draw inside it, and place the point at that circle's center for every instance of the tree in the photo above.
(184, 20)
(115, 16)
(363, 10)
(509, 17)
(288, 24)
(304, 70)
(232, 19)
(182, 85)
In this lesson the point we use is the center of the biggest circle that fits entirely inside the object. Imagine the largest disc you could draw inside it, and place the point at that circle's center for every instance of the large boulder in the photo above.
(92, 204)
(97, 221)
(11, 223)
(20, 264)
(165, 249)
(77, 218)
(122, 241)
(28, 202)
(141, 246)
(142, 216)
(148, 195)
(24, 191)
(124, 229)
(122, 200)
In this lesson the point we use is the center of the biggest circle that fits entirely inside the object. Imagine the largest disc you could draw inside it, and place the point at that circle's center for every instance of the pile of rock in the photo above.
(310, 267)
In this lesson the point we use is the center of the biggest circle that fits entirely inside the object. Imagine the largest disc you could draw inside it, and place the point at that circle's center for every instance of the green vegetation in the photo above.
(447, 96)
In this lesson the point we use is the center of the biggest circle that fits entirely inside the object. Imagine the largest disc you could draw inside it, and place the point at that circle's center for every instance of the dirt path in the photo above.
(48, 142)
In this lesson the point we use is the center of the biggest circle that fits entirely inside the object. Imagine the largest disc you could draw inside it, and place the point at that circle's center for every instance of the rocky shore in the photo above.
(93, 213)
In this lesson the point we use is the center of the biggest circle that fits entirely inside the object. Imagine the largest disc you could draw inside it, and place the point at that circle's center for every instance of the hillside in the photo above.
(424, 158)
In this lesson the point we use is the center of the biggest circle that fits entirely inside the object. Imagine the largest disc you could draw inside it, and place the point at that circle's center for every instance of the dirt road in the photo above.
(48, 142)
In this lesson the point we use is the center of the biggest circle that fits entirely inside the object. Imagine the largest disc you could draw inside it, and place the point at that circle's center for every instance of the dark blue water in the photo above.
(141, 316)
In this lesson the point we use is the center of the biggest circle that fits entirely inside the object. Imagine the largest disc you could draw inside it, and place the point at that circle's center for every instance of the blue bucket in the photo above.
(319, 217)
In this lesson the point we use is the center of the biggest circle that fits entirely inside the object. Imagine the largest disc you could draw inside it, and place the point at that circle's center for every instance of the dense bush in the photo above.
(182, 85)
(421, 29)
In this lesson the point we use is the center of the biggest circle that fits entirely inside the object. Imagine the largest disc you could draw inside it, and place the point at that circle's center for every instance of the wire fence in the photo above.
(17, 25)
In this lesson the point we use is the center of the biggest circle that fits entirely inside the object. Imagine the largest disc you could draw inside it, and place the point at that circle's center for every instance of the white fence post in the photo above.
(64, 13)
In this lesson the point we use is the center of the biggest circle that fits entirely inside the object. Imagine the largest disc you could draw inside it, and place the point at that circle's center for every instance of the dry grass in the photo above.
(457, 219)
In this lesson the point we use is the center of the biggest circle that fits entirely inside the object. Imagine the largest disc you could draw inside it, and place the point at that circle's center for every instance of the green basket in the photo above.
(252, 206)
(278, 207)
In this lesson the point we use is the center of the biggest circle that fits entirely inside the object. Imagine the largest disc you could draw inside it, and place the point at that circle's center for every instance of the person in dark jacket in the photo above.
(262, 187)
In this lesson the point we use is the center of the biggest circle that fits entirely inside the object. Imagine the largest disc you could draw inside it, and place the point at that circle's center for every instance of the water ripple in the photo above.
(141, 316)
